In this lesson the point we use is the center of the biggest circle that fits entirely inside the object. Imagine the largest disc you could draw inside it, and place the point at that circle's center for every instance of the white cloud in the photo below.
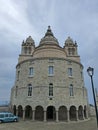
(13, 18)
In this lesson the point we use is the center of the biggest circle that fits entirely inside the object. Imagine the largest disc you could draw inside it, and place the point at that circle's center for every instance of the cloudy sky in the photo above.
(21, 18)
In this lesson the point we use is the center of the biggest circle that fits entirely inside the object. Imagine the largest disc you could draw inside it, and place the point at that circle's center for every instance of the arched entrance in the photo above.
(14, 110)
(85, 115)
(80, 112)
(28, 112)
(39, 113)
(62, 113)
(72, 113)
(20, 111)
(51, 113)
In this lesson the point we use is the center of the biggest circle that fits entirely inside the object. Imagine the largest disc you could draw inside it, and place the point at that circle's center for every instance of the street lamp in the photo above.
(90, 72)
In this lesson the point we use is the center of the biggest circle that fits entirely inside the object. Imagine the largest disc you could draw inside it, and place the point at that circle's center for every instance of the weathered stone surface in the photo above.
(40, 58)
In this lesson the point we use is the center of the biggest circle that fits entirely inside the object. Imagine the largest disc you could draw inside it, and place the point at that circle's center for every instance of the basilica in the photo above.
(49, 83)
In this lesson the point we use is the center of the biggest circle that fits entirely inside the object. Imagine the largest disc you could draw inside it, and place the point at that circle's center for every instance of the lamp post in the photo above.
(90, 72)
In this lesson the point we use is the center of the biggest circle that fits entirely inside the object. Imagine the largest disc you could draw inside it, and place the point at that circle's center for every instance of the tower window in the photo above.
(51, 70)
(81, 74)
(31, 71)
(29, 50)
(18, 74)
(71, 90)
(71, 51)
(29, 90)
(16, 91)
(50, 89)
(69, 71)
(25, 50)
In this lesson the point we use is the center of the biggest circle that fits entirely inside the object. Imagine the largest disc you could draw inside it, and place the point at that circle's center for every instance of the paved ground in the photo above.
(29, 125)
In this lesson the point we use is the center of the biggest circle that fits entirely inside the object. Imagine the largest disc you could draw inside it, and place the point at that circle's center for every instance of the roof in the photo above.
(49, 38)
(49, 47)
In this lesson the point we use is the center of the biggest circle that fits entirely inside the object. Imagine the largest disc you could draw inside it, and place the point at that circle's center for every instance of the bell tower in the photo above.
(28, 46)
(70, 48)
(27, 49)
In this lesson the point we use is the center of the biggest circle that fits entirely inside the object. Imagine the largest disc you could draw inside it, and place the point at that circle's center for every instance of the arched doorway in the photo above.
(28, 112)
(85, 115)
(20, 111)
(14, 110)
(39, 113)
(51, 113)
(80, 112)
(72, 113)
(62, 113)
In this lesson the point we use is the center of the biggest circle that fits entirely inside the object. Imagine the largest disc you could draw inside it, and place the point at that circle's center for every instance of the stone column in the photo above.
(67, 115)
(45, 116)
(33, 115)
(83, 114)
(23, 114)
(57, 116)
(17, 112)
(77, 118)
(86, 114)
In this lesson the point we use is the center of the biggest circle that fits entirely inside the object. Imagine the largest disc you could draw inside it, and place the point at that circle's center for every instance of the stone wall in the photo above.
(40, 83)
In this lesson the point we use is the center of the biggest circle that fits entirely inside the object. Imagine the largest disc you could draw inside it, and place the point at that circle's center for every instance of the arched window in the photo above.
(71, 90)
(16, 91)
(71, 51)
(29, 90)
(31, 71)
(50, 89)
(25, 50)
(18, 74)
(69, 71)
(81, 74)
(51, 70)
(29, 49)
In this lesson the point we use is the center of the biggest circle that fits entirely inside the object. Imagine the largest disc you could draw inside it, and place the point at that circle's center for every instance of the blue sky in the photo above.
(21, 18)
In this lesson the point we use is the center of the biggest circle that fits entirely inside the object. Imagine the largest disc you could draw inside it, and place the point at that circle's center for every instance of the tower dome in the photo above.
(69, 41)
(49, 38)
(49, 47)
(29, 41)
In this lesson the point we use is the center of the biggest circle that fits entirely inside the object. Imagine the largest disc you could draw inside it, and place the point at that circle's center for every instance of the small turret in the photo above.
(71, 49)
(29, 41)
(27, 49)
(28, 46)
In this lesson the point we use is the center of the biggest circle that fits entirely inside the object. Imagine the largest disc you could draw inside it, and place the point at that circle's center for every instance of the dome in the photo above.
(29, 41)
(69, 41)
(49, 38)
(49, 47)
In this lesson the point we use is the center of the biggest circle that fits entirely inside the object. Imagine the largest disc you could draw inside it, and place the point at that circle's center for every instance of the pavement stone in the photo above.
(30, 125)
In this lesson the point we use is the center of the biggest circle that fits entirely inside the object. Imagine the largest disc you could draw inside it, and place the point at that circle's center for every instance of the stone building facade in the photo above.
(49, 82)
